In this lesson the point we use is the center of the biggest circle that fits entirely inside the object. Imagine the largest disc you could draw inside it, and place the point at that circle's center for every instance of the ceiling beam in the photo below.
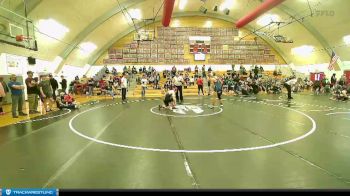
(104, 48)
(167, 12)
(257, 12)
(94, 25)
(308, 26)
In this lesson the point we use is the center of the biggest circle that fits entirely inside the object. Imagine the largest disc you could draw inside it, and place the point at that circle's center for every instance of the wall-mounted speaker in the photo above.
(31, 61)
(203, 10)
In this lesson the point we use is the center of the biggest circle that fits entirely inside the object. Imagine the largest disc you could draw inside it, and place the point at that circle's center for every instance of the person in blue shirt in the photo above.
(17, 96)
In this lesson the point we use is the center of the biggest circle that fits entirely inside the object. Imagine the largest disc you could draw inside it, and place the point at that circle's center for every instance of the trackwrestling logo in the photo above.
(28, 191)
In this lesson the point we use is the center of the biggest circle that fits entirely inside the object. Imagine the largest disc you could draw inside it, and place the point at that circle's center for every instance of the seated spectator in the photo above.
(110, 90)
(192, 81)
(68, 98)
(61, 103)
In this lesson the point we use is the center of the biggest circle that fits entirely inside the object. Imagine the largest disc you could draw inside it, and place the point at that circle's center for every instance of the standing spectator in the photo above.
(173, 71)
(46, 92)
(178, 82)
(54, 85)
(209, 69)
(333, 80)
(17, 96)
(209, 84)
(63, 84)
(157, 80)
(2, 96)
(200, 85)
(125, 69)
(261, 70)
(192, 81)
(6, 90)
(124, 85)
(203, 72)
(217, 90)
(32, 87)
(91, 86)
(144, 85)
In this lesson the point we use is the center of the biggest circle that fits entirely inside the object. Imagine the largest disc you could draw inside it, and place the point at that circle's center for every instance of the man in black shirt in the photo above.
(63, 84)
(333, 80)
(32, 88)
(54, 85)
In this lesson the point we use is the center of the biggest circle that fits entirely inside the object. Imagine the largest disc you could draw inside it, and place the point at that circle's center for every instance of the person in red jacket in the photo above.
(68, 98)
(200, 85)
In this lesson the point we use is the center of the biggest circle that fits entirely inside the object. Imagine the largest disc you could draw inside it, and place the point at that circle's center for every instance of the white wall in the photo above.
(346, 65)
(307, 69)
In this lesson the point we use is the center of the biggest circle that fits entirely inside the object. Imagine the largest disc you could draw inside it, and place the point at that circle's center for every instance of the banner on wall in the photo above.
(15, 64)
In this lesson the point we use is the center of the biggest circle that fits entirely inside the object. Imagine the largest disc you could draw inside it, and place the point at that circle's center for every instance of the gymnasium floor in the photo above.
(262, 143)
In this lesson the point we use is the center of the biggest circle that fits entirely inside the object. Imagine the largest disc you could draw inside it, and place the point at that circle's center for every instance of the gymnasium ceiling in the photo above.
(103, 23)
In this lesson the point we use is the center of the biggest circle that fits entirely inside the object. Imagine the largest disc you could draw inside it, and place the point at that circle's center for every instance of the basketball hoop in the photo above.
(21, 38)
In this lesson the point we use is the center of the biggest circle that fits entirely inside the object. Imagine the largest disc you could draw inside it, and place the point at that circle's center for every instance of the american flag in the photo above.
(334, 60)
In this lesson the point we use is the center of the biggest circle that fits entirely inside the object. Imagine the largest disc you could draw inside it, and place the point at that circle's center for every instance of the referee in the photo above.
(178, 82)
(288, 84)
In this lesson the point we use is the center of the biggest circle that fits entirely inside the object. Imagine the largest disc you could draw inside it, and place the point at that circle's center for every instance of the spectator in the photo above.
(46, 92)
(333, 80)
(32, 88)
(3, 92)
(91, 86)
(203, 72)
(217, 90)
(200, 85)
(54, 85)
(124, 85)
(143, 85)
(114, 71)
(63, 84)
(157, 79)
(60, 102)
(173, 71)
(261, 70)
(192, 81)
(110, 90)
(17, 96)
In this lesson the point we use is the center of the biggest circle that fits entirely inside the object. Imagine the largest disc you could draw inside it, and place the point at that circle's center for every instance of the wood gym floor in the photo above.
(262, 143)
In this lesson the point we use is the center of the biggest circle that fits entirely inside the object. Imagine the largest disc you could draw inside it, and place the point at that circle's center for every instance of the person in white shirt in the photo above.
(143, 85)
(178, 82)
(124, 85)
(288, 84)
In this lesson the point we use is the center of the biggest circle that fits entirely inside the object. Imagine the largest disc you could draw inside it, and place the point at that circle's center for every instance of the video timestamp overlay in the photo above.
(28, 191)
